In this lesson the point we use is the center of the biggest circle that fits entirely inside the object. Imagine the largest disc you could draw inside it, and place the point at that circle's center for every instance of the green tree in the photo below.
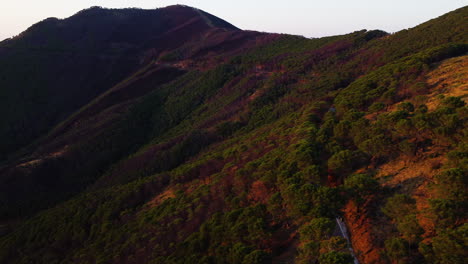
(409, 227)
(397, 250)
(308, 252)
(317, 229)
(361, 185)
(344, 161)
(257, 257)
(406, 106)
(452, 184)
(335, 257)
(399, 206)
(450, 246)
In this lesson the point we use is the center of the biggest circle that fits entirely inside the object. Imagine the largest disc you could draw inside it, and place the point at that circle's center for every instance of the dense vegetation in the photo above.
(251, 159)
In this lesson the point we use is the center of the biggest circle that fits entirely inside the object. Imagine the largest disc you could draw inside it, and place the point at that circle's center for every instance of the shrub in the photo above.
(452, 184)
(410, 228)
(361, 185)
(406, 106)
(397, 250)
(399, 206)
(447, 212)
(407, 147)
(375, 107)
(344, 161)
(336, 258)
(257, 257)
(335, 243)
(317, 229)
(308, 252)
(450, 246)
(453, 102)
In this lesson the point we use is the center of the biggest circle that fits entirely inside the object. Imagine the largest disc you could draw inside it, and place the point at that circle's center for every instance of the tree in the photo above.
(397, 250)
(257, 257)
(377, 106)
(453, 102)
(335, 257)
(335, 243)
(317, 229)
(406, 106)
(377, 146)
(308, 252)
(238, 252)
(450, 246)
(361, 185)
(452, 184)
(342, 161)
(399, 206)
(409, 227)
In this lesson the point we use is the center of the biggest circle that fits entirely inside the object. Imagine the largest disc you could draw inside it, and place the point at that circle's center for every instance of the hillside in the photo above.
(58, 66)
(171, 136)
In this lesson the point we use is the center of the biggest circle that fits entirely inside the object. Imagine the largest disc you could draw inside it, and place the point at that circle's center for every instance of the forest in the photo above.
(231, 146)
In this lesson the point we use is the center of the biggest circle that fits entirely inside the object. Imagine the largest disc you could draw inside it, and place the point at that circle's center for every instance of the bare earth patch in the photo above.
(413, 178)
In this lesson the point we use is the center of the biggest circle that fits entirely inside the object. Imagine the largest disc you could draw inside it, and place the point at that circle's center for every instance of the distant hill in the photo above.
(171, 136)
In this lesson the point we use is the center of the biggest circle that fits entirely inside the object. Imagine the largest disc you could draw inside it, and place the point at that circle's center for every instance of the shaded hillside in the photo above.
(231, 146)
(99, 127)
(58, 66)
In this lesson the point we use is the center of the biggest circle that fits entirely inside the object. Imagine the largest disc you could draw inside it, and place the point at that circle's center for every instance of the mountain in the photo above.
(171, 136)
(58, 66)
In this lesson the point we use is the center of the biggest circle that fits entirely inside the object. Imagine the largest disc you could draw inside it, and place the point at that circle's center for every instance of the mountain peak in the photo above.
(96, 28)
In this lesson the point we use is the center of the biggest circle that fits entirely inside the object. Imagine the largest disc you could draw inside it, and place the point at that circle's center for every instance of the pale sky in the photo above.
(310, 18)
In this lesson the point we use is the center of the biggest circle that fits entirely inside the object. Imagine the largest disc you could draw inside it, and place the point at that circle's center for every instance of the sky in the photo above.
(309, 18)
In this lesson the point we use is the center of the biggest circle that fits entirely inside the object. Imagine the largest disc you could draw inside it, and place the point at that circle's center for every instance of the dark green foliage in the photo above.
(257, 257)
(334, 257)
(453, 102)
(450, 206)
(309, 252)
(247, 225)
(317, 243)
(226, 129)
(452, 184)
(410, 228)
(335, 243)
(407, 147)
(344, 161)
(360, 186)
(375, 107)
(402, 210)
(318, 229)
(397, 250)
(398, 206)
(450, 246)
(447, 212)
(312, 200)
(406, 106)
(275, 205)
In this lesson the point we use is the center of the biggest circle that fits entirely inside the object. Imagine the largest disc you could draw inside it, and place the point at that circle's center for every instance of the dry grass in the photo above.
(167, 194)
(449, 79)
(414, 178)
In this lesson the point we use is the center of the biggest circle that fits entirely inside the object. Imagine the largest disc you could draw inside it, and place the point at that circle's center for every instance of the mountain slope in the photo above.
(57, 66)
(241, 147)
